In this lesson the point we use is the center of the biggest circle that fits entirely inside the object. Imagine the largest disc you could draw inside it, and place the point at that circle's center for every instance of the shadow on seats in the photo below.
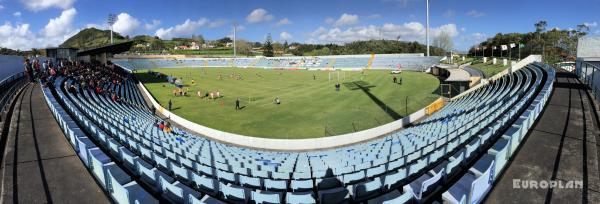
(331, 189)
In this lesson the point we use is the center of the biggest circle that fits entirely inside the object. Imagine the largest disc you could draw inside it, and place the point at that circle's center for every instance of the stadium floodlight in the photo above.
(427, 29)
(234, 32)
(112, 18)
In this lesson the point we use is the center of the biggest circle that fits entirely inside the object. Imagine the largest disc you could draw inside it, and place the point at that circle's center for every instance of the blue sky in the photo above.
(41, 23)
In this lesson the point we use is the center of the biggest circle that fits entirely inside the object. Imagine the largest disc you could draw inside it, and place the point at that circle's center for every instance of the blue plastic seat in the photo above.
(124, 190)
(367, 189)
(300, 198)
(233, 193)
(98, 161)
(262, 197)
(206, 199)
(226, 177)
(500, 152)
(474, 185)
(334, 195)
(84, 144)
(375, 171)
(391, 179)
(424, 184)
(353, 178)
(252, 182)
(275, 185)
(392, 197)
(301, 185)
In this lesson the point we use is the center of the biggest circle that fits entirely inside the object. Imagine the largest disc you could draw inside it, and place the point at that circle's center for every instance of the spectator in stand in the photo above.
(72, 89)
(161, 126)
(28, 70)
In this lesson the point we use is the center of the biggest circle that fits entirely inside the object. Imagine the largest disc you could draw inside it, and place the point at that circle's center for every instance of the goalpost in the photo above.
(337, 74)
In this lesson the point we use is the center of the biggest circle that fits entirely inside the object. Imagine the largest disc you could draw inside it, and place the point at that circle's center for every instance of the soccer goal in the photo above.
(337, 74)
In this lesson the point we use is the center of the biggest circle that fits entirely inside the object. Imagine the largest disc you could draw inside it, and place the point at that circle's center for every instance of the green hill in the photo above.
(91, 38)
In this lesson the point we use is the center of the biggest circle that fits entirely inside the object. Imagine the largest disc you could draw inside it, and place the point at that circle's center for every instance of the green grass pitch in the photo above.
(310, 107)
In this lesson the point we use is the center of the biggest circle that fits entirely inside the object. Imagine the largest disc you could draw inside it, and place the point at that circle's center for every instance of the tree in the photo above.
(243, 47)
(35, 52)
(224, 40)
(444, 41)
(582, 30)
(285, 47)
(540, 26)
(268, 46)
(198, 39)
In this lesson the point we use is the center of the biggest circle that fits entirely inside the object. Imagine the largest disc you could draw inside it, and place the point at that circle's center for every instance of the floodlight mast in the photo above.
(111, 21)
(234, 48)
(427, 29)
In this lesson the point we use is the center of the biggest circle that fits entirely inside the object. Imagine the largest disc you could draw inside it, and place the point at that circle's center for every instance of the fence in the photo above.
(8, 90)
(589, 74)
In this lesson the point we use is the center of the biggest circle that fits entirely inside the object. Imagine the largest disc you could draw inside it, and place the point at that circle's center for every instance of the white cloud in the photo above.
(152, 25)
(285, 36)
(346, 19)
(16, 37)
(463, 29)
(284, 21)
(1, 7)
(60, 25)
(57, 30)
(38, 5)
(411, 31)
(17, 14)
(217, 23)
(259, 15)
(449, 13)
(329, 20)
(591, 25)
(476, 14)
(186, 28)
(126, 24)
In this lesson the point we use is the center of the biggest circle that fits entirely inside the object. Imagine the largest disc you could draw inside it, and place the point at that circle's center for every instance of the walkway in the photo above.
(562, 147)
(39, 165)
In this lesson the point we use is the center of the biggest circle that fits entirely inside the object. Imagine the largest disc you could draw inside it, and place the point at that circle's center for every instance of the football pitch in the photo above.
(310, 106)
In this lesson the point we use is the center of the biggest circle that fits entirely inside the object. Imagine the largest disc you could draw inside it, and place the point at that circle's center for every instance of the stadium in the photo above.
(352, 113)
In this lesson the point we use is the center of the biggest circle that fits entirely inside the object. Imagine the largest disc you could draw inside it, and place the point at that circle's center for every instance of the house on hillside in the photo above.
(181, 47)
(194, 46)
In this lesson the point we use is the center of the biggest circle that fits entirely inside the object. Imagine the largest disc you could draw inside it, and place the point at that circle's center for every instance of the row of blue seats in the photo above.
(111, 177)
(479, 179)
(359, 61)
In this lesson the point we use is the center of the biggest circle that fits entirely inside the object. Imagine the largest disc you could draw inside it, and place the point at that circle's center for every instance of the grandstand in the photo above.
(379, 61)
(456, 155)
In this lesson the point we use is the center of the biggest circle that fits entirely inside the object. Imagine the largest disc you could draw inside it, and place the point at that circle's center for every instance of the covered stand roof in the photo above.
(114, 49)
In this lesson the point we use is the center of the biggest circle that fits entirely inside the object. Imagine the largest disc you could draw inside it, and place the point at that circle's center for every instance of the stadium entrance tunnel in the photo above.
(365, 87)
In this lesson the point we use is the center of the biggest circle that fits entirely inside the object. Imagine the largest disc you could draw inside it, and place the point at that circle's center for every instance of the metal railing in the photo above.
(8, 91)
(589, 74)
